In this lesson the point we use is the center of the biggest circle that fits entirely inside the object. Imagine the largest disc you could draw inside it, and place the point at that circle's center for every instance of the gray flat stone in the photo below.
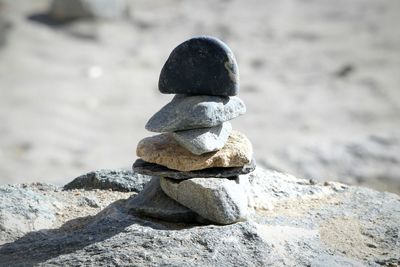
(191, 112)
(204, 140)
(147, 168)
(153, 202)
(219, 200)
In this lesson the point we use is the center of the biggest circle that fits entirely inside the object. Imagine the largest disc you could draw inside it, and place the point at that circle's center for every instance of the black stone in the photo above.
(147, 168)
(202, 66)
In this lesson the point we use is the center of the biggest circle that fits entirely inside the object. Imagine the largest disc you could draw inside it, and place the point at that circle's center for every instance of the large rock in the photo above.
(164, 150)
(223, 201)
(201, 65)
(294, 223)
(204, 140)
(118, 180)
(152, 202)
(147, 168)
(192, 112)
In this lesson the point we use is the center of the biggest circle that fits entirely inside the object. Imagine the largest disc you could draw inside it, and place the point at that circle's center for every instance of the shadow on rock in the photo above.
(40, 246)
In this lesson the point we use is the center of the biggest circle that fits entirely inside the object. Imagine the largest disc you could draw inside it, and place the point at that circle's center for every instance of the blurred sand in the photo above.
(320, 79)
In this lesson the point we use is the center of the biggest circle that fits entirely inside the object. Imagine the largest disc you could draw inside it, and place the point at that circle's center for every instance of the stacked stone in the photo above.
(198, 156)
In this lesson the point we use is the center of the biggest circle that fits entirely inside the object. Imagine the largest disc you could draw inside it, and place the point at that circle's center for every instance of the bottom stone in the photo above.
(222, 201)
(152, 202)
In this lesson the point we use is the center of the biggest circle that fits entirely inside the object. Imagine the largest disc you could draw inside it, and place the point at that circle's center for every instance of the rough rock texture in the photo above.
(154, 203)
(25, 208)
(163, 149)
(220, 200)
(191, 112)
(119, 180)
(143, 167)
(204, 140)
(202, 65)
(295, 223)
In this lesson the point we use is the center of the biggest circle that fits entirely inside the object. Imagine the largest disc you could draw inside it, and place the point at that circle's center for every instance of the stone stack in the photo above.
(200, 159)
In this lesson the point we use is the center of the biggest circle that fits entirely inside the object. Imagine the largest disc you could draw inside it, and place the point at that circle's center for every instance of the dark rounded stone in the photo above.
(202, 66)
(147, 168)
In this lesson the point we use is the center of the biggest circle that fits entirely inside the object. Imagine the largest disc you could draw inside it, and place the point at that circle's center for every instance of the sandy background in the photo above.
(320, 80)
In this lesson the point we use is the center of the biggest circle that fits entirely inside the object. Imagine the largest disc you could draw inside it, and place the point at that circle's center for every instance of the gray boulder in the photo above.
(294, 222)
(191, 112)
(204, 140)
(220, 200)
(152, 202)
(118, 180)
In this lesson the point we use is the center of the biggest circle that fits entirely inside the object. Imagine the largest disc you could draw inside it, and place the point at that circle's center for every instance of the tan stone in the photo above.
(163, 149)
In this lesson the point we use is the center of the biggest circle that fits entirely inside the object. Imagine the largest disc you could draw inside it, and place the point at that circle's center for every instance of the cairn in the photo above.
(200, 160)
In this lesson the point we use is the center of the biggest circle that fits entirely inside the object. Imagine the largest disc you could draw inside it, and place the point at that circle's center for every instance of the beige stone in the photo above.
(164, 150)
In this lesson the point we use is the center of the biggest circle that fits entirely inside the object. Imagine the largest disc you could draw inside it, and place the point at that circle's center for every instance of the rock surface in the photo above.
(118, 180)
(25, 208)
(204, 140)
(295, 223)
(163, 149)
(192, 112)
(147, 168)
(220, 200)
(153, 202)
(202, 65)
